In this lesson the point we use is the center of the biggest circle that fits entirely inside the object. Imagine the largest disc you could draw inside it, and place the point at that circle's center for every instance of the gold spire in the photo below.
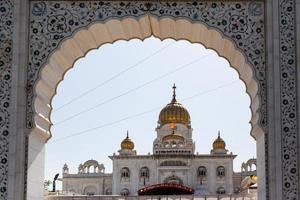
(174, 94)
(127, 143)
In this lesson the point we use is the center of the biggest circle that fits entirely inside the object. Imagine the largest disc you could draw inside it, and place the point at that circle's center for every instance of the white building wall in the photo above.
(212, 181)
(79, 182)
(134, 165)
(188, 174)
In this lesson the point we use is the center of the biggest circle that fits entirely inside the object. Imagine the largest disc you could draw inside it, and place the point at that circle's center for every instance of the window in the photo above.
(166, 144)
(202, 171)
(124, 192)
(125, 172)
(173, 144)
(173, 179)
(221, 190)
(108, 191)
(144, 172)
(180, 144)
(221, 171)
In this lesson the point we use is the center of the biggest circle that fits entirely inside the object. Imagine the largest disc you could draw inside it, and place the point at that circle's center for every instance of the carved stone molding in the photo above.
(6, 30)
(242, 22)
(288, 93)
(53, 21)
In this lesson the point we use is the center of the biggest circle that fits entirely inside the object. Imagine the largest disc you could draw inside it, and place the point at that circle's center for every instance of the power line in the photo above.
(133, 89)
(107, 124)
(112, 78)
(210, 90)
(142, 113)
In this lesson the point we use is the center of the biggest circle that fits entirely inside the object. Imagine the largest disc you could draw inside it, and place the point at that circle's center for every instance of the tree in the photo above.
(47, 184)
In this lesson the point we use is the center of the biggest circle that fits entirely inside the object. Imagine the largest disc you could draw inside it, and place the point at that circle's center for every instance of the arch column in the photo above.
(283, 180)
(77, 45)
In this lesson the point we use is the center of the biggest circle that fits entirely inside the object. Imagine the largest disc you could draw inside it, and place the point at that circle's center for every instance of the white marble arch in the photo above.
(97, 34)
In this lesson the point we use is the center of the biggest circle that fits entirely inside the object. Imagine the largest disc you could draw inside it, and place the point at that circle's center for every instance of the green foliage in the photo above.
(47, 184)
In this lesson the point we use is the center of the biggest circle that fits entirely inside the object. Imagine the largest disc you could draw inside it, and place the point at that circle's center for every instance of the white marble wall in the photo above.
(134, 166)
(36, 165)
(79, 183)
(188, 174)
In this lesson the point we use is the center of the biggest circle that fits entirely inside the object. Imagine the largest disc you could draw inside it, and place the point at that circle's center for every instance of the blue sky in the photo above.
(206, 85)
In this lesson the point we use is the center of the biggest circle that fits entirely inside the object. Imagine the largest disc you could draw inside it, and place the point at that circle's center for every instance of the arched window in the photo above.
(90, 190)
(124, 192)
(180, 144)
(173, 179)
(202, 171)
(221, 190)
(144, 172)
(173, 144)
(125, 173)
(221, 171)
(108, 191)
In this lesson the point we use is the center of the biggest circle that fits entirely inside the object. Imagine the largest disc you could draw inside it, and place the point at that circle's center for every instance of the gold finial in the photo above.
(218, 134)
(174, 94)
(127, 135)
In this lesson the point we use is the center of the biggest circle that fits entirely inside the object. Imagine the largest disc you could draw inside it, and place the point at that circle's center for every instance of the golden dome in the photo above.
(127, 143)
(174, 112)
(219, 143)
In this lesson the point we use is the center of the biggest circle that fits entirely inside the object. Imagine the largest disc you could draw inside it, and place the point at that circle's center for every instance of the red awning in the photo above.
(166, 189)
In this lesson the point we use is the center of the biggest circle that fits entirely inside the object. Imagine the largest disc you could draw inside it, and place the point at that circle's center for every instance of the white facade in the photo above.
(187, 174)
(91, 179)
(173, 161)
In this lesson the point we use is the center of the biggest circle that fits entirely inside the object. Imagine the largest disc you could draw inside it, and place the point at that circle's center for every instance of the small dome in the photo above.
(174, 112)
(219, 143)
(127, 143)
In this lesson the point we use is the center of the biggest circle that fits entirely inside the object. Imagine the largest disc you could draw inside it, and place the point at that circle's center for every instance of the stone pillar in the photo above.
(298, 81)
(17, 21)
(282, 137)
(261, 169)
(35, 166)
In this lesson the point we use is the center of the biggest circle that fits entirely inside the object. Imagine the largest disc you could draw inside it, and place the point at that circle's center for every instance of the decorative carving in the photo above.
(6, 30)
(242, 22)
(288, 92)
(52, 21)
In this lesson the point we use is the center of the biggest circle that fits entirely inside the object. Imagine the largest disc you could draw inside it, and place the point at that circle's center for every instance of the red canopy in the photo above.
(166, 189)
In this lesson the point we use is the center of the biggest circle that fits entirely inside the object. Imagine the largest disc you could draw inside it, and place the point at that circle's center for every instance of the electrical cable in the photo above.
(142, 113)
(133, 89)
(112, 78)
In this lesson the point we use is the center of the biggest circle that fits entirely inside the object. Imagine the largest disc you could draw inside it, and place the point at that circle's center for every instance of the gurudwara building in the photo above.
(172, 168)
